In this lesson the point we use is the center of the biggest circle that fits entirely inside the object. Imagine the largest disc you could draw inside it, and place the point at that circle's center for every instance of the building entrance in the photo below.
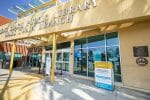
(102, 47)
(62, 60)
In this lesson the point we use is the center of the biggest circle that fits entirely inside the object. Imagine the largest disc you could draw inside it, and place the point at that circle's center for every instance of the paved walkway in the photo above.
(31, 86)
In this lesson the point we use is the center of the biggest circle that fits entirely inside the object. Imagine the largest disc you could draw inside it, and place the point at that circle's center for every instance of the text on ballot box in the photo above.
(104, 75)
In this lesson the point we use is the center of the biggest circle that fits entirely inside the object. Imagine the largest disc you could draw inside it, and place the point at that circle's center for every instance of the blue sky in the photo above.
(6, 4)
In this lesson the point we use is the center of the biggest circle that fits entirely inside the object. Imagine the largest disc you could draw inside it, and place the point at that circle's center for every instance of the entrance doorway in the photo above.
(102, 47)
(62, 60)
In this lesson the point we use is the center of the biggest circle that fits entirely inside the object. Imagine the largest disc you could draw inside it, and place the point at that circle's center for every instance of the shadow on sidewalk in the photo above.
(5, 87)
(3, 74)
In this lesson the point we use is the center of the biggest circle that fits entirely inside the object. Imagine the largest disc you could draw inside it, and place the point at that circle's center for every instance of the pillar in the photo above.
(71, 57)
(12, 56)
(53, 59)
(43, 58)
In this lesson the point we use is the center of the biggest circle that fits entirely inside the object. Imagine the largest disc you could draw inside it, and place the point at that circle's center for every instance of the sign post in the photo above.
(104, 77)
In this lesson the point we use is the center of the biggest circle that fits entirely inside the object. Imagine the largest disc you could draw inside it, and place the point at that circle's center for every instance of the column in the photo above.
(71, 57)
(43, 58)
(53, 59)
(12, 56)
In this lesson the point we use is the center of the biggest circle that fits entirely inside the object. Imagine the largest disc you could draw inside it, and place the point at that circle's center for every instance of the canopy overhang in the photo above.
(73, 17)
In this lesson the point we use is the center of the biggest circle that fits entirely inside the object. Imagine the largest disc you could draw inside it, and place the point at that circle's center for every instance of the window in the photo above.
(103, 47)
(96, 41)
(95, 54)
(80, 43)
(112, 39)
(80, 62)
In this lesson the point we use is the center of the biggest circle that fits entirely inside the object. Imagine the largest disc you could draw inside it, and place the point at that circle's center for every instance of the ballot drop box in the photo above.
(104, 77)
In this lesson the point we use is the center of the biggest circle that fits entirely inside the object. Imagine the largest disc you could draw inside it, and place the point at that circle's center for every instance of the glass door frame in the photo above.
(106, 52)
(62, 51)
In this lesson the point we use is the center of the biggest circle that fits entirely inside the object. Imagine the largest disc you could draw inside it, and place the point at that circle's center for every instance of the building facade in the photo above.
(5, 50)
(116, 31)
(77, 55)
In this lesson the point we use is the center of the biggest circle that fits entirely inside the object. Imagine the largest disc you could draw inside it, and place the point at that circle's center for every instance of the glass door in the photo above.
(65, 61)
(59, 59)
(62, 61)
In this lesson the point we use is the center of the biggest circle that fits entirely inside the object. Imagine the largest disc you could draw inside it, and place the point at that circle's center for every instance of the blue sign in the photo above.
(103, 78)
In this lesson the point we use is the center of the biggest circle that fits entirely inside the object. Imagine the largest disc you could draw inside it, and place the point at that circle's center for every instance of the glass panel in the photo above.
(46, 55)
(80, 63)
(66, 56)
(58, 65)
(112, 39)
(2, 55)
(80, 43)
(46, 0)
(24, 6)
(64, 1)
(15, 10)
(35, 3)
(114, 57)
(95, 54)
(65, 67)
(96, 41)
(59, 57)
(8, 55)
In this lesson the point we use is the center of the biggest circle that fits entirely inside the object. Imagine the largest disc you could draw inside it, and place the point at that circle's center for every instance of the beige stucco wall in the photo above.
(133, 74)
(105, 12)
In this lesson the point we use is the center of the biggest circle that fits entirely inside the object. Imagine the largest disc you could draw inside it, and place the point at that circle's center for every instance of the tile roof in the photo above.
(4, 20)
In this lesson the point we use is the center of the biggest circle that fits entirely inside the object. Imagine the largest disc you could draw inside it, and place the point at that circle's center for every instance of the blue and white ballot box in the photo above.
(104, 77)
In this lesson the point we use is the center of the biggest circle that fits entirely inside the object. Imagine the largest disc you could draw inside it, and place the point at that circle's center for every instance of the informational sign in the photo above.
(141, 61)
(48, 66)
(140, 51)
(44, 22)
(104, 75)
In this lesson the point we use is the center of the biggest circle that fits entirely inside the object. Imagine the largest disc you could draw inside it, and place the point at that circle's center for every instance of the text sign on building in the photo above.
(104, 75)
(140, 51)
(51, 18)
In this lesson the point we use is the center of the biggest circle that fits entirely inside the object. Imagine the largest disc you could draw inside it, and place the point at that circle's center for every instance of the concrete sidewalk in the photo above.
(72, 88)
(31, 86)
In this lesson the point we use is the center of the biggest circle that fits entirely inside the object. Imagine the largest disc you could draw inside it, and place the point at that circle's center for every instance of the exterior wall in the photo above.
(105, 12)
(137, 34)
(133, 74)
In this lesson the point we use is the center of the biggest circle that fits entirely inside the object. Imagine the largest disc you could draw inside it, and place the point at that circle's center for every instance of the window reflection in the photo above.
(96, 48)
(96, 41)
(113, 56)
(66, 56)
(80, 43)
(95, 54)
(80, 62)
(112, 39)
(59, 57)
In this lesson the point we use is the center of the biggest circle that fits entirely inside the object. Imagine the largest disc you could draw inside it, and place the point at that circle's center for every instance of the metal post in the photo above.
(12, 57)
(53, 59)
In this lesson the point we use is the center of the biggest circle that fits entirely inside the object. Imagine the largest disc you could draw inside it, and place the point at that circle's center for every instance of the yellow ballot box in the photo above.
(104, 77)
